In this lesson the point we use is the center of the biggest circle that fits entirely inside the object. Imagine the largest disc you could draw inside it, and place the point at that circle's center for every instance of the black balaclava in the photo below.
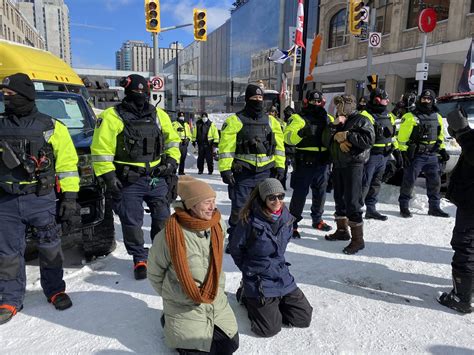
(314, 110)
(253, 108)
(426, 108)
(374, 104)
(136, 99)
(23, 103)
(362, 104)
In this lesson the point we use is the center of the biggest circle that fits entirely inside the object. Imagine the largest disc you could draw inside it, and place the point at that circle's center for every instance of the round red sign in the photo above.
(427, 20)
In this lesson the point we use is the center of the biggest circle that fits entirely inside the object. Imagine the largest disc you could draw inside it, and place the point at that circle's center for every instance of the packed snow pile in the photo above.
(381, 300)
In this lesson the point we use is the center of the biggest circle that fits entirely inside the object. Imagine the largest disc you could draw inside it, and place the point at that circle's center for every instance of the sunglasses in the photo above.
(274, 197)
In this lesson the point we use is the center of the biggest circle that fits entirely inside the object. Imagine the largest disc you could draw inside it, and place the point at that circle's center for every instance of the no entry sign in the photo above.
(427, 20)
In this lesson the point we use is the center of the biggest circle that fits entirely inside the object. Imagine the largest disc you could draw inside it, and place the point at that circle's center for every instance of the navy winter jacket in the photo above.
(258, 249)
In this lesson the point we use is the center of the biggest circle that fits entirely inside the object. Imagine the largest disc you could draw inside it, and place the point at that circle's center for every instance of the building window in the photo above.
(415, 7)
(384, 16)
(337, 29)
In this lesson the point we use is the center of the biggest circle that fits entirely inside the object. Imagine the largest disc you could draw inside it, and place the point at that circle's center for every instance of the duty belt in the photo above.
(18, 189)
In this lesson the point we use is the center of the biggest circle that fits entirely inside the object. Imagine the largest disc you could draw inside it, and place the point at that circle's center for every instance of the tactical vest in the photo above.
(202, 131)
(26, 154)
(427, 129)
(256, 136)
(384, 130)
(317, 126)
(141, 140)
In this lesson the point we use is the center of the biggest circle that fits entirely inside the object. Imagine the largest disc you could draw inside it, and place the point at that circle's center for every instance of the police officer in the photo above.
(350, 139)
(385, 144)
(250, 150)
(311, 160)
(421, 139)
(461, 193)
(362, 103)
(135, 149)
(34, 150)
(184, 133)
(206, 136)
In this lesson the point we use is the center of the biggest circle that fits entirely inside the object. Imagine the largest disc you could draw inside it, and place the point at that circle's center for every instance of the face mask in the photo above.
(181, 118)
(18, 105)
(425, 107)
(315, 109)
(205, 119)
(139, 99)
(254, 108)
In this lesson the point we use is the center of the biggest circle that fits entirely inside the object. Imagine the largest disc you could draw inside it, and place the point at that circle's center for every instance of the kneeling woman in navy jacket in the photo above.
(258, 245)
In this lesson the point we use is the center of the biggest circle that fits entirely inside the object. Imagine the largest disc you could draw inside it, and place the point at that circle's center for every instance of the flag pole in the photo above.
(293, 77)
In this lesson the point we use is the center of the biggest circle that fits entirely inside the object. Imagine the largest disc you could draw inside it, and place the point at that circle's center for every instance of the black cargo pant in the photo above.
(266, 319)
(221, 344)
(348, 192)
(463, 242)
(183, 149)
(205, 153)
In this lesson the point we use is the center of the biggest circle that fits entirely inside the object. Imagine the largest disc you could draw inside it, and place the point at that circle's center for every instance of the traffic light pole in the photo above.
(373, 18)
(155, 54)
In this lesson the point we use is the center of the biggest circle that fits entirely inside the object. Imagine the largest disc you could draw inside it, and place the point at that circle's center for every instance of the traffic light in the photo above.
(355, 16)
(152, 15)
(200, 24)
(373, 82)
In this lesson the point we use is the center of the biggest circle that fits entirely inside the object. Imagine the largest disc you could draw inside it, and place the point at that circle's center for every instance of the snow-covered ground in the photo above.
(381, 300)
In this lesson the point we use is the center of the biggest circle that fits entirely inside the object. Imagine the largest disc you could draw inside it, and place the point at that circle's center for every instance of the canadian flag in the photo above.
(299, 25)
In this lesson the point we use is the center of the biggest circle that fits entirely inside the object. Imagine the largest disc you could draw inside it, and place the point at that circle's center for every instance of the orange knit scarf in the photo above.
(177, 247)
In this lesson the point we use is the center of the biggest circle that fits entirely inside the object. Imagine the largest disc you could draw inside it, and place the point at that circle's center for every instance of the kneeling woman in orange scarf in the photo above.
(185, 268)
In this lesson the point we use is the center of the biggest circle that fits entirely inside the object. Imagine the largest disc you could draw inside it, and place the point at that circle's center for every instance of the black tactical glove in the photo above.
(457, 121)
(278, 173)
(112, 182)
(228, 177)
(180, 129)
(69, 212)
(194, 144)
(167, 167)
(406, 159)
(398, 159)
(444, 156)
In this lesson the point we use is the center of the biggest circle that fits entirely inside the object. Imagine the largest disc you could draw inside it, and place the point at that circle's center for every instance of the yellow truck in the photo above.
(48, 72)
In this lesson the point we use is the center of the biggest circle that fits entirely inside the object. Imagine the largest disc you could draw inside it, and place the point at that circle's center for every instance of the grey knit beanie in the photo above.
(270, 186)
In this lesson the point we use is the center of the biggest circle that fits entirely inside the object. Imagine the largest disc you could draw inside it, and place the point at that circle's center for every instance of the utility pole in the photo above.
(156, 58)
(373, 17)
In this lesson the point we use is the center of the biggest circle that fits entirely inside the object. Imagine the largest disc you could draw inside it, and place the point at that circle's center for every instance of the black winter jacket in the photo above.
(461, 184)
(361, 135)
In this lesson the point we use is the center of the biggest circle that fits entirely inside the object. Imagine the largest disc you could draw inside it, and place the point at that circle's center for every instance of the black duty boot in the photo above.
(342, 231)
(357, 241)
(7, 312)
(139, 270)
(375, 215)
(60, 301)
(437, 212)
(405, 212)
(460, 296)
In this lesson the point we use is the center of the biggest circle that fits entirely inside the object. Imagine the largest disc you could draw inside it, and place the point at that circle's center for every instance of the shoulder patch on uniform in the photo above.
(98, 122)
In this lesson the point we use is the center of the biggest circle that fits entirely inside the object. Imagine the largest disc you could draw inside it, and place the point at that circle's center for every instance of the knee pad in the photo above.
(10, 267)
(46, 234)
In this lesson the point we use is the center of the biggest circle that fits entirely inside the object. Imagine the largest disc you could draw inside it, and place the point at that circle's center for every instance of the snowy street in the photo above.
(381, 300)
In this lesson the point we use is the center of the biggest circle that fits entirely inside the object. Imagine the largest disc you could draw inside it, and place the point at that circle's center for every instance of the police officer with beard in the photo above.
(311, 160)
(135, 149)
(251, 149)
(385, 144)
(421, 142)
(35, 149)
(349, 138)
